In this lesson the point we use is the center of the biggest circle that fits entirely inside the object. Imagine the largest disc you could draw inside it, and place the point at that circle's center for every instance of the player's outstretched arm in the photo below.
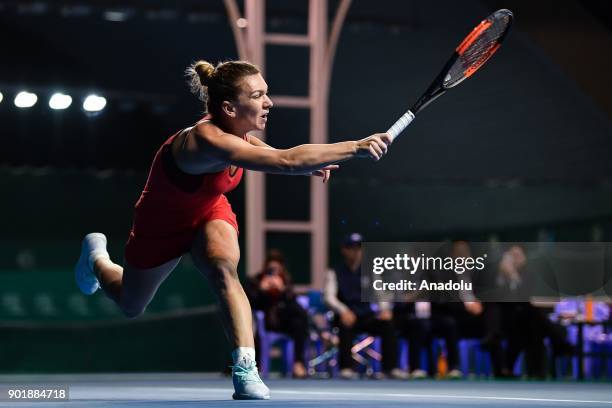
(303, 159)
(324, 173)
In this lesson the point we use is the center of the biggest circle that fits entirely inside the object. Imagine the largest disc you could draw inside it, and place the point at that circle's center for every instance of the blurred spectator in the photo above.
(412, 322)
(455, 314)
(342, 294)
(513, 319)
(271, 291)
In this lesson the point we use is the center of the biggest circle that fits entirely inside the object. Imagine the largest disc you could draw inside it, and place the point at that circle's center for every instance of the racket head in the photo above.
(476, 49)
(471, 54)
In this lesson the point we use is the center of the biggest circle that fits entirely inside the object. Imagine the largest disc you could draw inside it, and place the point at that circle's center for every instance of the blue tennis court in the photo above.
(178, 390)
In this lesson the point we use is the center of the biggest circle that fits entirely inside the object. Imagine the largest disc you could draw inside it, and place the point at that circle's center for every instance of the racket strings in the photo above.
(478, 51)
(477, 55)
(483, 44)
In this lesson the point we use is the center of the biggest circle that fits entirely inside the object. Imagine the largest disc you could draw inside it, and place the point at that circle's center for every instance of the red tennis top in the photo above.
(174, 206)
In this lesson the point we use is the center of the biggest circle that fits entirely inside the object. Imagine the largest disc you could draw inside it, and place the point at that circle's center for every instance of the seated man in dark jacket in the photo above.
(342, 294)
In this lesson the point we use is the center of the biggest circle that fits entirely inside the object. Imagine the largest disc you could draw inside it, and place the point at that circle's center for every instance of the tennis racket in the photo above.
(476, 49)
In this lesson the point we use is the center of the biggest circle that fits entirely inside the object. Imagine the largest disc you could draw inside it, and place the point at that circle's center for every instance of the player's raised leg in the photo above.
(132, 289)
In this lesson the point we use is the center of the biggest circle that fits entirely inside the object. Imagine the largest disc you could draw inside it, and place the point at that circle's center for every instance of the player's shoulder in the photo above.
(207, 133)
(206, 129)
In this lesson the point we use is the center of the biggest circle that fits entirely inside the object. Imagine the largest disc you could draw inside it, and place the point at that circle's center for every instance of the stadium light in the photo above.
(60, 101)
(118, 15)
(94, 103)
(25, 99)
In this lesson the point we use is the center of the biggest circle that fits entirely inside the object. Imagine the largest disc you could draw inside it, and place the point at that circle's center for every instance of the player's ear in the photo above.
(229, 109)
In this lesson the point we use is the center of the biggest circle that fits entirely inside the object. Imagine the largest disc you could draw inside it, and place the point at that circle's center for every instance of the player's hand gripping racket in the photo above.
(469, 56)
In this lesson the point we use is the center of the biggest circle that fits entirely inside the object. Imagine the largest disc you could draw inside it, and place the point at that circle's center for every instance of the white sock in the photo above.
(94, 256)
(98, 246)
(243, 355)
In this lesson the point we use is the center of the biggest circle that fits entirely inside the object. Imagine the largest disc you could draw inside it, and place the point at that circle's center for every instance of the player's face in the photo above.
(253, 103)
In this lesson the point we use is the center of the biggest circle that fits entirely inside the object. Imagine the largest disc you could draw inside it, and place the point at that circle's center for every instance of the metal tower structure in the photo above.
(251, 40)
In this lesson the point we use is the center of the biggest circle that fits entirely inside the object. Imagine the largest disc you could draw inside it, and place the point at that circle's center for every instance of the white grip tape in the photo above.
(401, 124)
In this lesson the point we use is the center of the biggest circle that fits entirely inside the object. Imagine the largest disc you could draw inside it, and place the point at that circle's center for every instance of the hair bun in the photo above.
(205, 71)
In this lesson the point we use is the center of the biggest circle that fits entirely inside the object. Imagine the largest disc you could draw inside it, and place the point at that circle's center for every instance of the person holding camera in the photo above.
(271, 291)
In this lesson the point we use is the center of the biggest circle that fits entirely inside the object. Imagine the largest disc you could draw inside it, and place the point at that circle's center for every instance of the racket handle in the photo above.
(401, 124)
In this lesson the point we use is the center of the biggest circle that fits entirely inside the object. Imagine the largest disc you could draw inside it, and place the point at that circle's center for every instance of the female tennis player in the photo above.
(183, 207)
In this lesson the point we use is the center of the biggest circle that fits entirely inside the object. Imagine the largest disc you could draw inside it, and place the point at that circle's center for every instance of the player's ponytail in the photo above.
(205, 71)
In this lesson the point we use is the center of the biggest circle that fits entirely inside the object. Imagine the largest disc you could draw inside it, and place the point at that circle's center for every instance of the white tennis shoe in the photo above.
(94, 245)
(247, 383)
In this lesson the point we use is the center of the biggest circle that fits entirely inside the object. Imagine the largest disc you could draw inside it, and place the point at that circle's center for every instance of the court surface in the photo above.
(202, 390)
